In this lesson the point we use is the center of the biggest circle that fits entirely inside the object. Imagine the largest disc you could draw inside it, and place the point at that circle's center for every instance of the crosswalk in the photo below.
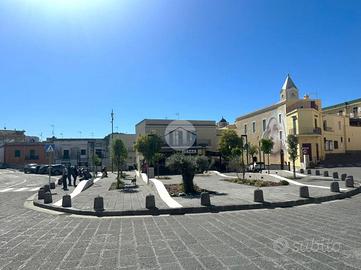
(17, 189)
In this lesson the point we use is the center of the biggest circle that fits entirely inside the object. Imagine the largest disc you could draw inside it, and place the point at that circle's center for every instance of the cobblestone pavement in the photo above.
(324, 236)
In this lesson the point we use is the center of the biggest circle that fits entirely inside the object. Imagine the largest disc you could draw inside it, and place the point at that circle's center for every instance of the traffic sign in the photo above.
(49, 148)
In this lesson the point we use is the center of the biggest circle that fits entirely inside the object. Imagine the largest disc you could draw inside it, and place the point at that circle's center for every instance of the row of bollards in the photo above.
(335, 175)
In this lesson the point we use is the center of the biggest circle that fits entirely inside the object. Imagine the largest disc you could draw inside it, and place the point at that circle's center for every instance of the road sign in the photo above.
(49, 148)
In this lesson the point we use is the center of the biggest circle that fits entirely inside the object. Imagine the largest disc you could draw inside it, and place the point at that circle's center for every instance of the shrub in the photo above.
(284, 183)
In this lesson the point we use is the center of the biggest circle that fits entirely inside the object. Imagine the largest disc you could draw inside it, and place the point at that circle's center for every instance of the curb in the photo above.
(203, 209)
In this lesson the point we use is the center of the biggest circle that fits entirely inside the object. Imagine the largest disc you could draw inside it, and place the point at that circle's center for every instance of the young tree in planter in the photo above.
(266, 147)
(185, 165)
(120, 155)
(148, 146)
(157, 159)
(229, 141)
(238, 155)
(252, 150)
(292, 143)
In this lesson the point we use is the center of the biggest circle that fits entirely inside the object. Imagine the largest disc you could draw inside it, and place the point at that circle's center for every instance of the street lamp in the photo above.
(245, 145)
(112, 121)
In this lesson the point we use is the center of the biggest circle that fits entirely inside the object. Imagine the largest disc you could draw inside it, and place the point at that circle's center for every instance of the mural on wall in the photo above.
(273, 128)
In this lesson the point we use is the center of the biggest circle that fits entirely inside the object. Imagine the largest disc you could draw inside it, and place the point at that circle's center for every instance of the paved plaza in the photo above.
(323, 236)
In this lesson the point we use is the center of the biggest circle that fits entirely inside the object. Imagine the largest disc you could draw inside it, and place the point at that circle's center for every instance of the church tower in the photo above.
(289, 90)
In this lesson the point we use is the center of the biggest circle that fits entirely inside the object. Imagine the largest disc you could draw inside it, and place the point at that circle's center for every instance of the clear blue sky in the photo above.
(69, 62)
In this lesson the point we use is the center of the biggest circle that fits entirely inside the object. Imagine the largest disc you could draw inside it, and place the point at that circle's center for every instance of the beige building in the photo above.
(320, 131)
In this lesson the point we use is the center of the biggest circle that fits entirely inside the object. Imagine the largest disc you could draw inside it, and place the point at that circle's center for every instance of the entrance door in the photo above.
(282, 153)
(307, 150)
(317, 152)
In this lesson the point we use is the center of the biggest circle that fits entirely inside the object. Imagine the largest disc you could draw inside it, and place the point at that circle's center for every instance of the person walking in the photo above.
(75, 174)
(69, 176)
(65, 176)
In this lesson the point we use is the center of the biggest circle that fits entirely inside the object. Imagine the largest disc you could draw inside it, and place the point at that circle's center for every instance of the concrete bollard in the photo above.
(48, 198)
(52, 185)
(335, 187)
(205, 199)
(318, 172)
(304, 192)
(349, 182)
(99, 204)
(309, 172)
(349, 176)
(258, 195)
(46, 188)
(325, 174)
(343, 176)
(150, 201)
(41, 194)
(66, 201)
(302, 171)
(335, 175)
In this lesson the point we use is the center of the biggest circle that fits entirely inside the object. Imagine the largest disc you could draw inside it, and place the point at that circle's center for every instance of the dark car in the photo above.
(31, 168)
(56, 169)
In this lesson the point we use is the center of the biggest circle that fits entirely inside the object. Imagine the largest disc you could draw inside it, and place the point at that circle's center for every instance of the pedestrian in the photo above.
(65, 175)
(75, 174)
(69, 176)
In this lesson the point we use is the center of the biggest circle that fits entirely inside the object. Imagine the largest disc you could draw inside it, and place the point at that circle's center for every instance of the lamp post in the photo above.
(246, 146)
(112, 121)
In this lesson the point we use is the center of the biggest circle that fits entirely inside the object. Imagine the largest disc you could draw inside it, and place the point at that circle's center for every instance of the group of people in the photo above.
(74, 172)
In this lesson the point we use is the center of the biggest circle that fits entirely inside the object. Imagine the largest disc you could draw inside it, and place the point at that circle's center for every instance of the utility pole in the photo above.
(111, 158)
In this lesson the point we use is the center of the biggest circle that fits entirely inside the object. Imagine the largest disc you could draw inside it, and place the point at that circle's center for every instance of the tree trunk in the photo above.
(294, 169)
(188, 183)
(268, 162)
(243, 167)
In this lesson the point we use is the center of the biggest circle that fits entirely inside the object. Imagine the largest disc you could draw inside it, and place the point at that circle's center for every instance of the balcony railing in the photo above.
(328, 129)
(306, 131)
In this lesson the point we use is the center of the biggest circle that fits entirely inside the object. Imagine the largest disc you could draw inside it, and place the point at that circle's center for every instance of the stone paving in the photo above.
(326, 236)
(118, 200)
(243, 194)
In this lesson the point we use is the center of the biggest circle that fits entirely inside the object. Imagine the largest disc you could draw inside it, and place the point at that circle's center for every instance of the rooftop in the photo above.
(342, 104)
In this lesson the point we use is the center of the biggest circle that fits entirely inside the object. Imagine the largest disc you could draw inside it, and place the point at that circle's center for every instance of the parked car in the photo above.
(31, 168)
(256, 167)
(56, 169)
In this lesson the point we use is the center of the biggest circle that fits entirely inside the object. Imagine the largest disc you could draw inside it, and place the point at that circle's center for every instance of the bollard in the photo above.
(98, 204)
(335, 175)
(41, 194)
(309, 172)
(205, 199)
(302, 171)
(325, 174)
(48, 198)
(349, 182)
(150, 201)
(349, 176)
(52, 185)
(317, 172)
(46, 188)
(66, 201)
(343, 176)
(304, 193)
(258, 195)
(335, 187)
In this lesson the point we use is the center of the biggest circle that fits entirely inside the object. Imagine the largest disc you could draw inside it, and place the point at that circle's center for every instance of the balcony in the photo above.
(306, 131)
(329, 129)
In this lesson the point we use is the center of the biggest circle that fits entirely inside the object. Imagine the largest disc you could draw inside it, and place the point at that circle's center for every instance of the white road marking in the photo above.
(6, 190)
(20, 189)
(24, 189)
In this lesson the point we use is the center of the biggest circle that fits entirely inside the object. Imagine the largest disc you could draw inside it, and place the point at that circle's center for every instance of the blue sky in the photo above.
(67, 63)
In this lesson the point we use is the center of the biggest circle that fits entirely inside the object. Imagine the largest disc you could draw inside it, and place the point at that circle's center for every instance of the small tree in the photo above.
(148, 146)
(229, 141)
(266, 147)
(252, 150)
(238, 155)
(120, 155)
(157, 159)
(292, 143)
(185, 165)
(96, 162)
(202, 164)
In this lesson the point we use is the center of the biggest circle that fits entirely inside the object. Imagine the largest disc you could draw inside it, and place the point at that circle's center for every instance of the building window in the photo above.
(254, 127)
(66, 154)
(355, 111)
(340, 112)
(280, 118)
(281, 135)
(264, 124)
(349, 140)
(17, 153)
(339, 125)
(83, 152)
(316, 125)
(245, 129)
(99, 153)
(341, 140)
(335, 144)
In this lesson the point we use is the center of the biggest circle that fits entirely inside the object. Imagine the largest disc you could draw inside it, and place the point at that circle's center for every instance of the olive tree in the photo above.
(148, 146)
(120, 155)
(292, 145)
(266, 147)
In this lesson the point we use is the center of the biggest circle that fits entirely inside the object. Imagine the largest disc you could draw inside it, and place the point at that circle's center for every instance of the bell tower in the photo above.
(289, 90)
